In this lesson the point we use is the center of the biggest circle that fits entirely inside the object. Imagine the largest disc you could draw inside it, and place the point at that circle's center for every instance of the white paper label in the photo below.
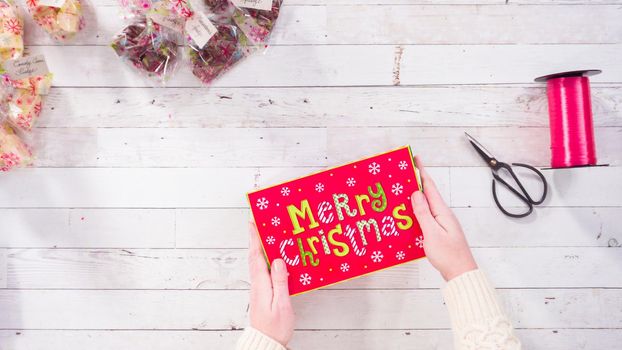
(52, 3)
(22, 68)
(173, 22)
(265, 5)
(200, 29)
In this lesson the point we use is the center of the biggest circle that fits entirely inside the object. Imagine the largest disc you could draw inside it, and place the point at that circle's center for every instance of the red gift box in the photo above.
(343, 222)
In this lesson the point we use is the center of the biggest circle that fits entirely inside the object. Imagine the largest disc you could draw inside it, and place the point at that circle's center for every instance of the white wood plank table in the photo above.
(130, 231)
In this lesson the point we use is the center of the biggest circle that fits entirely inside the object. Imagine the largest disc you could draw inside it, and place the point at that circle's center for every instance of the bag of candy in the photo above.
(22, 96)
(256, 18)
(232, 31)
(62, 19)
(214, 47)
(14, 152)
(149, 48)
(24, 109)
(11, 31)
(150, 42)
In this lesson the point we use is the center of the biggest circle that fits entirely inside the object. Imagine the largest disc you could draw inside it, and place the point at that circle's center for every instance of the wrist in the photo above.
(459, 270)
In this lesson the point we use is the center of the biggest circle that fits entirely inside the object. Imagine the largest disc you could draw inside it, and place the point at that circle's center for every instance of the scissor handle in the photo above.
(523, 195)
(544, 183)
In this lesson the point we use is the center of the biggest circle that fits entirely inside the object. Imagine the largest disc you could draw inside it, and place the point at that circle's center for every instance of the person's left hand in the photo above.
(271, 310)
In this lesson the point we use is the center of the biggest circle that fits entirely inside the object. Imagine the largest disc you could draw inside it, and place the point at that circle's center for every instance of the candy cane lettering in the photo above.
(292, 262)
(388, 226)
(350, 233)
(325, 212)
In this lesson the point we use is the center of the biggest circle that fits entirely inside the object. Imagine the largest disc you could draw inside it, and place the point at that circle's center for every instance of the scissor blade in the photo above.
(483, 152)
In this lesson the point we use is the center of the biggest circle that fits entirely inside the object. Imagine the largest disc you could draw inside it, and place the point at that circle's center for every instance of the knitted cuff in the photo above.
(471, 299)
(253, 339)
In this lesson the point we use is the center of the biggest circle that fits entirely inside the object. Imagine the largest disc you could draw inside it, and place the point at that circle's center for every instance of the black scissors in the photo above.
(495, 166)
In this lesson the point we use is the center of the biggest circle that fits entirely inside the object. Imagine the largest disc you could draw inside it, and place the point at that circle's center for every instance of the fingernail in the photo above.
(278, 265)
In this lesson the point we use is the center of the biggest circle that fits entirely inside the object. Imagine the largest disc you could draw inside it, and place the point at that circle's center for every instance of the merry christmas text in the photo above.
(341, 239)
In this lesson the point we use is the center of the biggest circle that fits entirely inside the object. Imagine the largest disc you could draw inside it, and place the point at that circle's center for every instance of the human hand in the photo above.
(271, 310)
(443, 239)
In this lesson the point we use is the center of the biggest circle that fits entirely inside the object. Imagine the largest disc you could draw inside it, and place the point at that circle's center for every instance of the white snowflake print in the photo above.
(276, 221)
(285, 191)
(350, 182)
(400, 255)
(270, 240)
(402, 165)
(419, 241)
(377, 256)
(397, 189)
(374, 168)
(262, 203)
(305, 279)
(319, 187)
(345, 267)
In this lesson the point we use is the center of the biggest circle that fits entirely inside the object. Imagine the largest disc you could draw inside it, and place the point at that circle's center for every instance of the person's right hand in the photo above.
(443, 239)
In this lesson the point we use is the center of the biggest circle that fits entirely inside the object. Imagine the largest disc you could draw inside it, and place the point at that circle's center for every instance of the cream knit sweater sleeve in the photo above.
(476, 318)
(253, 339)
